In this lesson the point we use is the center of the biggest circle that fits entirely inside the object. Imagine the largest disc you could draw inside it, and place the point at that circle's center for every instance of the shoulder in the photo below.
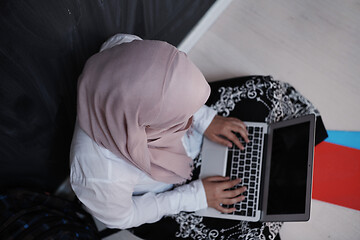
(88, 161)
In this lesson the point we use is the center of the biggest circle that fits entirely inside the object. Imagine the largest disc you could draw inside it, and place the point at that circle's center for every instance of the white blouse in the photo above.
(122, 196)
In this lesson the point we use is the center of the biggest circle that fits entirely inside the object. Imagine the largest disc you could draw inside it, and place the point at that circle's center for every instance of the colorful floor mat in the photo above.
(337, 174)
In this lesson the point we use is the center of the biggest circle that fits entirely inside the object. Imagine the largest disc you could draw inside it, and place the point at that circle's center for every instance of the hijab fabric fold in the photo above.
(137, 99)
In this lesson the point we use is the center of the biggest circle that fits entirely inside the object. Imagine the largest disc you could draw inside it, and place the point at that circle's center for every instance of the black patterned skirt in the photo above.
(250, 98)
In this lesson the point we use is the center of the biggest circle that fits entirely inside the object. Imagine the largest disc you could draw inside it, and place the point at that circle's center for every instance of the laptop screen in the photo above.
(288, 170)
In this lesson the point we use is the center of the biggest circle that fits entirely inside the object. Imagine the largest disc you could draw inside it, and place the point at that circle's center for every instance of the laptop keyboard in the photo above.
(246, 164)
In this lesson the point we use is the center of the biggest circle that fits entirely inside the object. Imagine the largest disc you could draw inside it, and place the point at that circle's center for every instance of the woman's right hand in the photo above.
(217, 193)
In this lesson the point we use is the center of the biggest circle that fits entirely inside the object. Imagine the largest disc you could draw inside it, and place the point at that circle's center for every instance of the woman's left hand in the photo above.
(222, 130)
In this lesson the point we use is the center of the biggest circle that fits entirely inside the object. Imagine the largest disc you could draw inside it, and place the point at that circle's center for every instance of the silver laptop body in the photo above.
(276, 166)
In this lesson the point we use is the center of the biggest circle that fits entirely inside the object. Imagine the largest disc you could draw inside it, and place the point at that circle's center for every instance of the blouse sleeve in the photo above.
(193, 138)
(114, 205)
(202, 118)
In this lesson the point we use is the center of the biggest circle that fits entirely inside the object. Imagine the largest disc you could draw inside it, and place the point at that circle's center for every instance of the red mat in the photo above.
(337, 175)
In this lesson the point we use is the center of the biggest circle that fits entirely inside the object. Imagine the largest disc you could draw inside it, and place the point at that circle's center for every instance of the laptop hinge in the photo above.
(262, 182)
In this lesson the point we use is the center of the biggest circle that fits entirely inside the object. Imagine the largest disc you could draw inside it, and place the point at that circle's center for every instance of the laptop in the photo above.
(276, 167)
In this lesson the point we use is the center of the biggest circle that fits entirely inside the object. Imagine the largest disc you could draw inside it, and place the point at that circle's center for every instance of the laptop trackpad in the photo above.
(211, 151)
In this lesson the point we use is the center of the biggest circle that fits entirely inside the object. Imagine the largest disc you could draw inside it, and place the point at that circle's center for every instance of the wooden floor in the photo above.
(312, 44)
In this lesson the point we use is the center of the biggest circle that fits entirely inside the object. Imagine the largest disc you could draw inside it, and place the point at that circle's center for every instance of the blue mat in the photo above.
(344, 138)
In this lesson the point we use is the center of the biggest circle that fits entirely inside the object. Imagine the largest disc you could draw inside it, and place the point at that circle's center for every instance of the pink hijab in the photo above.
(137, 99)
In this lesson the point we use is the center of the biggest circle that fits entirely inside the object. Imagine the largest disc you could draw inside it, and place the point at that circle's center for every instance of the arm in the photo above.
(114, 205)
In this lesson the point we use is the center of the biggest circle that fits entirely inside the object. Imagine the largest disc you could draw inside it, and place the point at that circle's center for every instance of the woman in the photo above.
(140, 122)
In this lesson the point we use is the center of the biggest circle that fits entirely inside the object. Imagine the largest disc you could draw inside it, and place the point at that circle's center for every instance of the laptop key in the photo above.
(249, 212)
(242, 213)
